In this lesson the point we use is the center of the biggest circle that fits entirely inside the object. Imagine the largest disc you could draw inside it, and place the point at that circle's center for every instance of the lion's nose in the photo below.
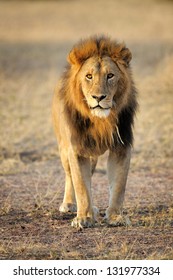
(98, 97)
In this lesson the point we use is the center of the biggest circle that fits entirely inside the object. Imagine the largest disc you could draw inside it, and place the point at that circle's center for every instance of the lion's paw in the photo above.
(67, 207)
(114, 219)
(84, 222)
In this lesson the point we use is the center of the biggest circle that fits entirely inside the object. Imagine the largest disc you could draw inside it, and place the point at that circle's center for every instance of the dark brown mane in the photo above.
(92, 134)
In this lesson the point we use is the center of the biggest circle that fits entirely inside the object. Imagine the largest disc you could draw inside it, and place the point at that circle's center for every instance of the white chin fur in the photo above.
(100, 113)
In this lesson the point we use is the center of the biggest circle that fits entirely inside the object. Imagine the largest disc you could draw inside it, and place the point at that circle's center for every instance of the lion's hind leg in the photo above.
(69, 200)
(93, 164)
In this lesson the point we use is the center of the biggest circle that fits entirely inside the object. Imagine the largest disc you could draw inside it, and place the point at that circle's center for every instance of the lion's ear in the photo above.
(126, 56)
(75, 57)
(71, 58)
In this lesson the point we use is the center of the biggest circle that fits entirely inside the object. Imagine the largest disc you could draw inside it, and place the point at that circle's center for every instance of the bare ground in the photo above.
(34, 40)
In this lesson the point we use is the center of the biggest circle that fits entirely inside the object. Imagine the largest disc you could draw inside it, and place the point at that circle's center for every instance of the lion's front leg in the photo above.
(81, 176)
(118, 166)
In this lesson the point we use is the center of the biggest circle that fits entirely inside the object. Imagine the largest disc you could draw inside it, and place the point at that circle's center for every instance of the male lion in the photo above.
(93, 111)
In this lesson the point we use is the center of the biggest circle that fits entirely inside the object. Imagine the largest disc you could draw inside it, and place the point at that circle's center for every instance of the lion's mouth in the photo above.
(100, 112)
(100, 107)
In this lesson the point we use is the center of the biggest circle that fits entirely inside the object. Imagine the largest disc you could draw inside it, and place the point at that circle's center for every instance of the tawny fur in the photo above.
(81, 134)
(102, 132)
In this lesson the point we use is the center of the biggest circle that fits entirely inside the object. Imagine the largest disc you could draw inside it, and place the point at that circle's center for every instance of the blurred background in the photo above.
(35, 38)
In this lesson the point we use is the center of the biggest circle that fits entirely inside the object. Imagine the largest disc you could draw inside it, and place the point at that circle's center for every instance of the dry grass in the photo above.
(35, 37)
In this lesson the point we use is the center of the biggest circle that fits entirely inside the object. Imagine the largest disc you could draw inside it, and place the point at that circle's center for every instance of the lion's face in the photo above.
(99, 80)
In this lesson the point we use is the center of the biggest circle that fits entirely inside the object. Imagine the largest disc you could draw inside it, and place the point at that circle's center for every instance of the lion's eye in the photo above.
(89, 76)
(110, 76)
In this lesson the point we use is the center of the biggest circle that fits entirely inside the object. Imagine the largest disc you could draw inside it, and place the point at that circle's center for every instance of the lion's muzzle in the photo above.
(99, 97)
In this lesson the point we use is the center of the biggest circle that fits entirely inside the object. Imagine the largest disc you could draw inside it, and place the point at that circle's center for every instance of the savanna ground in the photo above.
(35, 37)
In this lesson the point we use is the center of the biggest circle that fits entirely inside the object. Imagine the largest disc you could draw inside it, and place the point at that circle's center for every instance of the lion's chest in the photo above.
(94, 140)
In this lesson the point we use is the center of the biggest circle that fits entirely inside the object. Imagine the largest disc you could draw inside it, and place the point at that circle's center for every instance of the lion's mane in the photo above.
(93, 135)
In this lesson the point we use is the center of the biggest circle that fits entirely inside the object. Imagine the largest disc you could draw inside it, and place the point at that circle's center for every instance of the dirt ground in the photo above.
(35, 37)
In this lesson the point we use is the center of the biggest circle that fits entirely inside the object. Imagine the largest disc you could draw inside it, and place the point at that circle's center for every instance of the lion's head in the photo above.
(99, 78)
(98, 94)
(100, 68)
